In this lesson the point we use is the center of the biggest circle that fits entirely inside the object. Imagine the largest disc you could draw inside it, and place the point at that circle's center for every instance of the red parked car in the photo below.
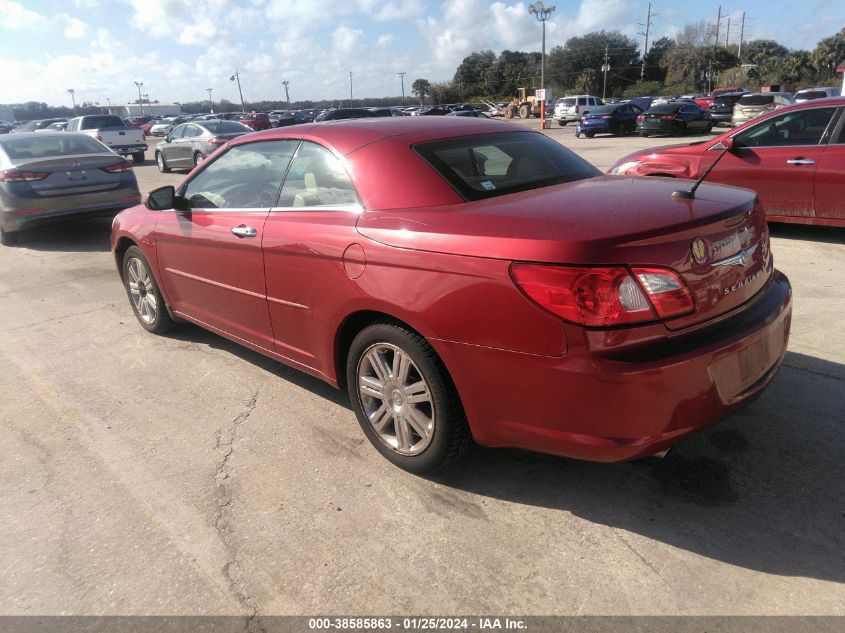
(469, 280)
(794, 158)
(256, 120)
(707, 101)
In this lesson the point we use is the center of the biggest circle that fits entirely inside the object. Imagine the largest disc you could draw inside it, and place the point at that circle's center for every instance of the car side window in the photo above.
(245, 177)
(191, 131)
(317, 178)
(799, 127)
(177, 132)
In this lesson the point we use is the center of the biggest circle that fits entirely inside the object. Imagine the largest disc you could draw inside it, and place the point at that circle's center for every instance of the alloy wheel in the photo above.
(141, 290)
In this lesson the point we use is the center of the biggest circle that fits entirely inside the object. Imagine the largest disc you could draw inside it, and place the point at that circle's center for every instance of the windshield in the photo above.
(226, 127)
(496, 164)
(97, 122)
(755, 100)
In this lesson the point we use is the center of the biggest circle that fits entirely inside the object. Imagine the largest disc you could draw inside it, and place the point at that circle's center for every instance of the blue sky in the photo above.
(178, 48)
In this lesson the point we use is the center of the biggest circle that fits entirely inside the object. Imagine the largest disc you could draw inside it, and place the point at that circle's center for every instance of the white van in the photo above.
(573, 108)
(816, 93)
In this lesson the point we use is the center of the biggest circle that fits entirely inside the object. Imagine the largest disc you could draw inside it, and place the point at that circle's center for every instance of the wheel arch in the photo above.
(120, 248)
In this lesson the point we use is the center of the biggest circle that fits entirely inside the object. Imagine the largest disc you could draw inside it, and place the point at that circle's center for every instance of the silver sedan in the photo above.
(51, 176)
(189, 144)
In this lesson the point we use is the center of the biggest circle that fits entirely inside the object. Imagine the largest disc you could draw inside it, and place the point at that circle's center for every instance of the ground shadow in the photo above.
(764, 490)
(77, 236)
(824, 234)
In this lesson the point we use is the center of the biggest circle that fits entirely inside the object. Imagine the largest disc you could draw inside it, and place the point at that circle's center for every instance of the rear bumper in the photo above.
(603, 408)
(126, 150)
(49, 210)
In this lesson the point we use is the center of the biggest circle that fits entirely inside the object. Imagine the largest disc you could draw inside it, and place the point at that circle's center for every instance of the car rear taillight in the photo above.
(771, 106)
(577, 109)
(117, 168)
(667, 117)
(13, 175)
(217, 140)
(607, 117)
(98, 138)
(604, 296)
(640, 117)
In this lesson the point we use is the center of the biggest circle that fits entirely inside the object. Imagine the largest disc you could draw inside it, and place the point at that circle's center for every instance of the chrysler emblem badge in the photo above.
(699, 250)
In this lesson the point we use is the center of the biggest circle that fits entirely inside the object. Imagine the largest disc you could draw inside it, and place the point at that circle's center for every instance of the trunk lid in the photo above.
(610, 220)
(81, 173)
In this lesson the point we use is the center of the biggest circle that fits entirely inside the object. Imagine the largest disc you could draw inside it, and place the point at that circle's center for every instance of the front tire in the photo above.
(404, 399)
(144, 295)
(161, 163)
(524, 112)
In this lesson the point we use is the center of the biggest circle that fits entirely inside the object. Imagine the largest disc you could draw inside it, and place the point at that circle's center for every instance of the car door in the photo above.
(171, 146)
(310, 254)
(209, 257)
(188, 143)
(830, 174)
(778, 160)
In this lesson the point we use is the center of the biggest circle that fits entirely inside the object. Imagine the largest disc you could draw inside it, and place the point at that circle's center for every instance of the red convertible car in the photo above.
(794, 158)
(469, 280)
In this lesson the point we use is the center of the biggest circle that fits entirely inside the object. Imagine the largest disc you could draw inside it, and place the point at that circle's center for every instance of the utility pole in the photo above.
(605, 68)
(286, 83)
(237, 77)
(728, 34)
(210, 101)
(718, 24)
(402, 77)
(350, 88)
(741, 34)
(647, 26)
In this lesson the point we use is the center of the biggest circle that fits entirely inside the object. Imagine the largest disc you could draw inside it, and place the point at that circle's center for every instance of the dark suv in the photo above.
(722, 109)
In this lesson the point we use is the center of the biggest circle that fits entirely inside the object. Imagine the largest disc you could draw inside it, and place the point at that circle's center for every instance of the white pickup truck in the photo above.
(112, 132)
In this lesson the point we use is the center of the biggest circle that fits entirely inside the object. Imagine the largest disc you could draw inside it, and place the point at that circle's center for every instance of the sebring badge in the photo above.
(699, 251)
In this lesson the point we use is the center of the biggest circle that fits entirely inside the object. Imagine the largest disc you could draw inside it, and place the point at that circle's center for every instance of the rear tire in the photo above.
(144, 295)
(561, 123)
(161, 164)
(198, 158)
(8, 239)
(524, 112)
(404, 399)
(589, 134)
(138, 158)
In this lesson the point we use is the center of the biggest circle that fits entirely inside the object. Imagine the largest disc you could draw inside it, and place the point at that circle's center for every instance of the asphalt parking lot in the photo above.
(187, 475)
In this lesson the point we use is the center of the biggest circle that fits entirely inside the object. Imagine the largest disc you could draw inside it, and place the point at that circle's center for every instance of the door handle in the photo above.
(244, 231)
(800, 161)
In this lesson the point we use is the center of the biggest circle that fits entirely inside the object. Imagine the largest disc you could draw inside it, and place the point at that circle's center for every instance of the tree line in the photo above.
(688, 63)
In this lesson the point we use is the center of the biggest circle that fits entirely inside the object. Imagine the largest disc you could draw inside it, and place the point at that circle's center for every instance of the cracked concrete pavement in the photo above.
(186, 475)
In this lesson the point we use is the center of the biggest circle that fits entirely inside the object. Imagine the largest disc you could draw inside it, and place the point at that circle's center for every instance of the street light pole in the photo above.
(72, 93)
(542, 14)
(140, 102)
(286, 83)
(237, 77)
(210, 101)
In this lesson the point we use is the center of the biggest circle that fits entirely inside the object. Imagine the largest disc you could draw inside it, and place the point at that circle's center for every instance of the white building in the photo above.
(134, 109)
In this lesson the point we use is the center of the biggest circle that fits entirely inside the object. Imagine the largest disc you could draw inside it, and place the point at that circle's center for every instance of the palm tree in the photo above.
(421, 88)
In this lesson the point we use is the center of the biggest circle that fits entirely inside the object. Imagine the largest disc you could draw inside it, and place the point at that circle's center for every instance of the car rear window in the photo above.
(48, 146)
(605, 109)
(97, 122)
(226, 127)
(664, 108)
(811, 94)
(755, 100)
(569, 102)
(492, 165)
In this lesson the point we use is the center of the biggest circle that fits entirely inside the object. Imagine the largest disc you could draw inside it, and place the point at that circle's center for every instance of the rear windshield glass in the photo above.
(665, 107)
(226, 127)
(753, 100)
(604, 109)
(97, 122)
(496, 164)
(811, 94)
(47, 146)
(568, 102)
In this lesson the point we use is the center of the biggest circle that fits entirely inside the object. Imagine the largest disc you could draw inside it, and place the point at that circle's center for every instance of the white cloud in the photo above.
(74, 28)
(384, 40)
(346, 39)
(14, 16)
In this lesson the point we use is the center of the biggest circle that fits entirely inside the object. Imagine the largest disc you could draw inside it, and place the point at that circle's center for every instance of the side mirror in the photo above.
(165, 198)
(732, 144)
